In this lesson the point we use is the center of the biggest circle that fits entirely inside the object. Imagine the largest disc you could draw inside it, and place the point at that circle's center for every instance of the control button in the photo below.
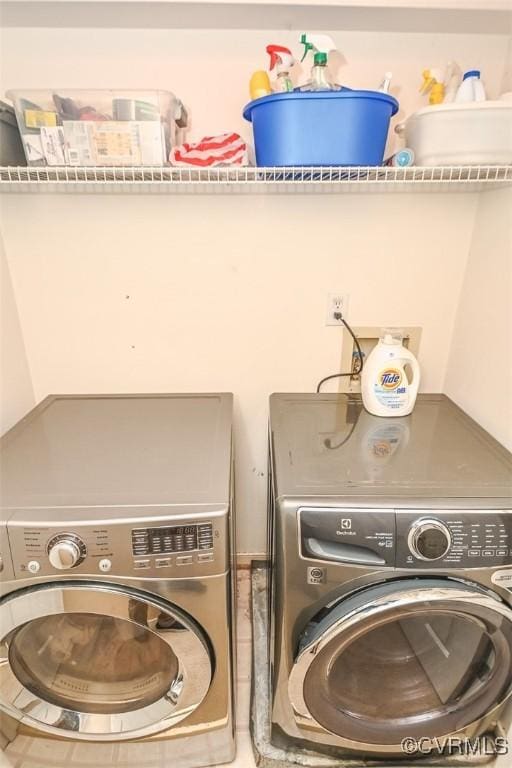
(164, 562)
(488, 553)
(205, 557)
(34, 566)
(105, 565)
(502, 552)
(474, 552)
(184, 560)
(138, 564)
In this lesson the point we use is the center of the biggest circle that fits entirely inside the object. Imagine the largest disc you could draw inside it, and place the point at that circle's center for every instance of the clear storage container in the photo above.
(98, 127)
(11, 148)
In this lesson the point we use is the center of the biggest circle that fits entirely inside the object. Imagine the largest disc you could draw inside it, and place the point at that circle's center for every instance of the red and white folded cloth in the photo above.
(210, 151)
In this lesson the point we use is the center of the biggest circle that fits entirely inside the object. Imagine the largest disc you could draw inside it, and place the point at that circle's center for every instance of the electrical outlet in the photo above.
(337, 303)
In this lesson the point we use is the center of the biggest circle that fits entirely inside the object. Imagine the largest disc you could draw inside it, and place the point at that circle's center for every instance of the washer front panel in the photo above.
(98, 661)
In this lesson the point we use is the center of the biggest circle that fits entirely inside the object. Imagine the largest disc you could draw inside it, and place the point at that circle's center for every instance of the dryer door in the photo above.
(419, 658)
(94, 661)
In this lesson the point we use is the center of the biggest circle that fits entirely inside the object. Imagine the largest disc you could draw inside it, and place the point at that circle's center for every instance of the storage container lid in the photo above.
(301, 95)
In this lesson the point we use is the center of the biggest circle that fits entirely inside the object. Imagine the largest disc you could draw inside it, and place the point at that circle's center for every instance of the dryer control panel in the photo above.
(411, 538)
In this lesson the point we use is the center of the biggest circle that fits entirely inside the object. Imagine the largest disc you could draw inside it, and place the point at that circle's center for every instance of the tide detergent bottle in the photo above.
(391, 377)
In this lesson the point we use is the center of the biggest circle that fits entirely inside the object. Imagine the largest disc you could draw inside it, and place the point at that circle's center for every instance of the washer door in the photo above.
(419, 657)
(101, 662)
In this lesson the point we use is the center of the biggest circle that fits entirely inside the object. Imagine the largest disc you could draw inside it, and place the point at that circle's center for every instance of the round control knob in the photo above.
(429, 540)
(66, 552)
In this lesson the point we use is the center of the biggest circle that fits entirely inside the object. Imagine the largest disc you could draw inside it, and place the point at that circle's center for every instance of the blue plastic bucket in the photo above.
(321, 128)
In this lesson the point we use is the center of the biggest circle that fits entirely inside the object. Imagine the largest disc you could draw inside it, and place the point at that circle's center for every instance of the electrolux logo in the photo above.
(345, 527)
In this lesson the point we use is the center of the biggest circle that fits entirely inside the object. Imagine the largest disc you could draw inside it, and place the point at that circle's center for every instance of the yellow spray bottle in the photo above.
(433, 83)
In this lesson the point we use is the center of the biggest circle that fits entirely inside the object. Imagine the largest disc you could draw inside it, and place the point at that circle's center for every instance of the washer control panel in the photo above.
(46, 550)
(172, 539)
(197, 547)
(408, 538)
(454, 539)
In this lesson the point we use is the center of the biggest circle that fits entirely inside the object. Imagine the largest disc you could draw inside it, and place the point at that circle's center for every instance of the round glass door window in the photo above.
(427, 668)
(90, 663)
(95, 661)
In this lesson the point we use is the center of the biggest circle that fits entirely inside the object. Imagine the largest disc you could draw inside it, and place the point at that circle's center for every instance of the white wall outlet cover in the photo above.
(337, 303)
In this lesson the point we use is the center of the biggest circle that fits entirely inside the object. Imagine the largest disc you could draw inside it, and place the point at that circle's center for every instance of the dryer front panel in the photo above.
(97, 661)
(418, 658)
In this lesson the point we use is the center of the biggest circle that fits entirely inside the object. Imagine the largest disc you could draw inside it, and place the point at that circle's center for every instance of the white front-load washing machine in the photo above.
(116, 609)
(392, 576)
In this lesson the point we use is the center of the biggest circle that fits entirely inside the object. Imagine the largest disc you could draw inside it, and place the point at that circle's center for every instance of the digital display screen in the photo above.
(172, 539)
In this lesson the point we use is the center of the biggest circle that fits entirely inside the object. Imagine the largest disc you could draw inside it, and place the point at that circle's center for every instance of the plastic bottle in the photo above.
(259, 84)
(451, 82)
(282, 60)
(385, 387)
(471, 88)
(320, 78)
(433, 82)
(321, 46)
(442, 85)
(386, 82)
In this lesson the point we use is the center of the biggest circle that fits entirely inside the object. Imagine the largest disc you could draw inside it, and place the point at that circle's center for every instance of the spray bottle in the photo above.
(442, 85)
(282, 60)
(321, 45)
(452, 78)
(433, 81)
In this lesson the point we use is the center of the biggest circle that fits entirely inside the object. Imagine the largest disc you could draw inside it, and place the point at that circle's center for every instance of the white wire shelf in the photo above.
(253, 180)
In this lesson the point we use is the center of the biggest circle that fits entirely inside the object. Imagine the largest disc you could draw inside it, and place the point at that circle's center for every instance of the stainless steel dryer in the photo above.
(391, 544)
(116, 608)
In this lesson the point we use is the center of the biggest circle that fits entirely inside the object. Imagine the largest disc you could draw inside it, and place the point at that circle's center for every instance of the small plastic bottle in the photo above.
(471, 88)
(259, 84)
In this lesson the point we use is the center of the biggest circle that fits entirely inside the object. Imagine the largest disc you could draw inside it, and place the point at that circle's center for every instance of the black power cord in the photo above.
(339, 316)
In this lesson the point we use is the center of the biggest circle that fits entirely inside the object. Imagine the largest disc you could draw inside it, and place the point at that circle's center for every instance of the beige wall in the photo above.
(16, 392)
(479, 374)
(228, 292)
(149, 293)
